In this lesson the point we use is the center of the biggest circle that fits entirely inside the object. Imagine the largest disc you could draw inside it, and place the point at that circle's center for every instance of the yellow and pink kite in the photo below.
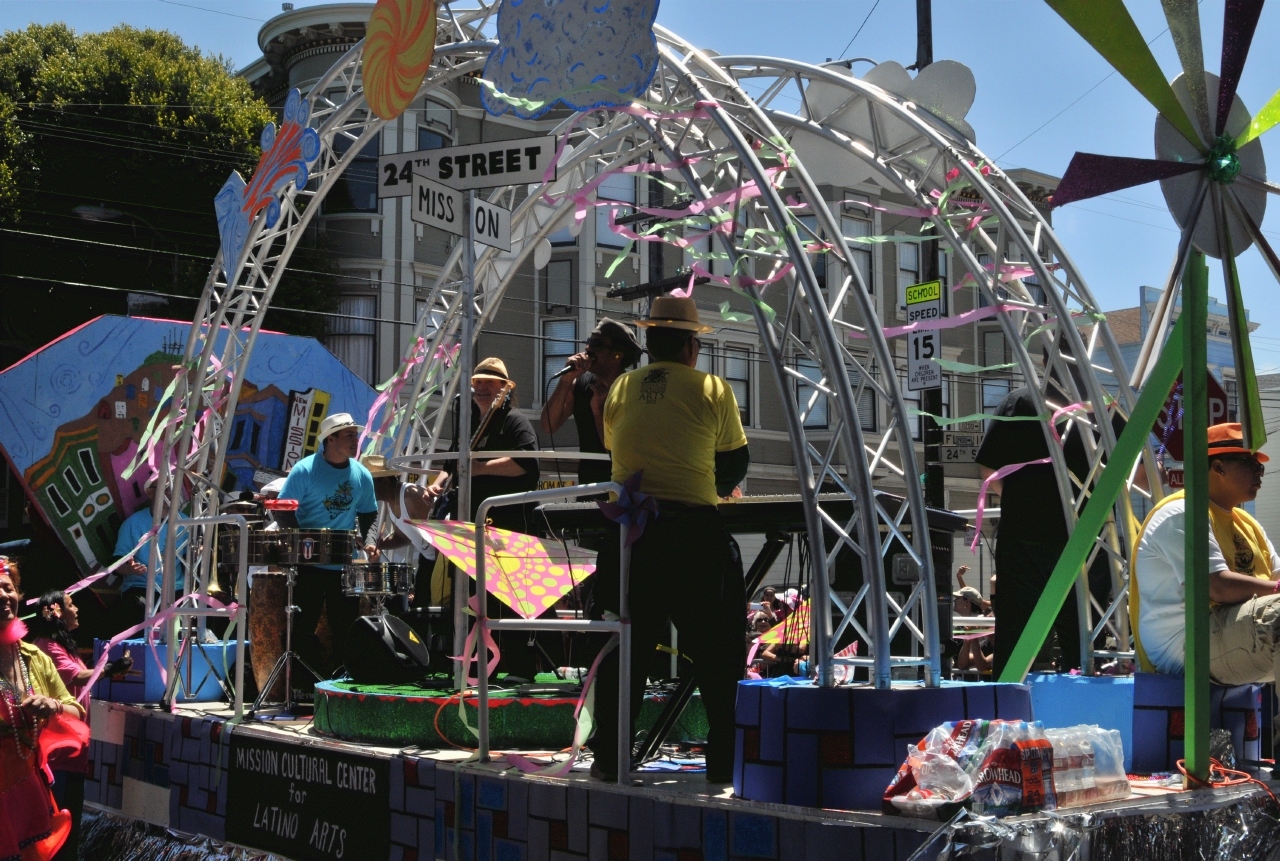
(520, 570)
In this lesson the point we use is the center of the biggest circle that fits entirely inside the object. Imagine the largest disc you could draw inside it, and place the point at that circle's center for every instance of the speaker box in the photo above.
(383, 650)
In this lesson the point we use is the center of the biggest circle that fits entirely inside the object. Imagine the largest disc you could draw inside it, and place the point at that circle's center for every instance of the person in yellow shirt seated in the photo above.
(681, 427)
(1244, 574)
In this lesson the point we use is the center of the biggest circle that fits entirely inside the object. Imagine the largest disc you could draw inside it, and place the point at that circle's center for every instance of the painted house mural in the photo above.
(72, 412)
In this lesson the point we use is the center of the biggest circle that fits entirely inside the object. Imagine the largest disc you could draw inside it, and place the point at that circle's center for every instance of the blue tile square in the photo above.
(426, 773)
(641, 833)
(855, 788)
(518, 810)
(747, 706)
(791, 840)
(396, 783)
(873, 742)
(837, 841)
(753, 835)
(738, 756)
(879, 843)
(577, 819)
(763, 783)
(818, 708)
(918, 710)
(427, 838)
(484, 835)
(715, 842)
(772, 723)
(493, 794)
(546, 801)
(907, 842)
(539, 840)
(508, 850)
(419, 802)
(467, 801)
(609, 810)
(404, 829)
(444, 784)
(802, 770)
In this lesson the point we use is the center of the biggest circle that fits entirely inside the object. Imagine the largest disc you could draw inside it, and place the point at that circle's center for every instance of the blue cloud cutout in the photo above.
(570, 51)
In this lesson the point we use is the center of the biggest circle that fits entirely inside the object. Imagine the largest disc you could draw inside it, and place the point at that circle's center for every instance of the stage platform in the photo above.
(284, 788)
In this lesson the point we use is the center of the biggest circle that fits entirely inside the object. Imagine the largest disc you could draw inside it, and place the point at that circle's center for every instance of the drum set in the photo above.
(274, 557)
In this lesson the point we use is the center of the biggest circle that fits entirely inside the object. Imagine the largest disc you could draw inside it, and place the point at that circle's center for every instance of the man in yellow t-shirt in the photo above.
(1244, 615)
(681, 428)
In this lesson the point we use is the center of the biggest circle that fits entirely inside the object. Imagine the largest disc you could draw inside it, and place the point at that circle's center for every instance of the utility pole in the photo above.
(931, 399)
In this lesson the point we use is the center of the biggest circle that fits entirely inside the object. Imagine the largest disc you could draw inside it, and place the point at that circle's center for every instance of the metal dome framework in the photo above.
(730, 141)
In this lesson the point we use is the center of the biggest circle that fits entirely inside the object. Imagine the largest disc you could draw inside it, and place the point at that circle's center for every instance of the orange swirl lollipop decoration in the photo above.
(399, 44)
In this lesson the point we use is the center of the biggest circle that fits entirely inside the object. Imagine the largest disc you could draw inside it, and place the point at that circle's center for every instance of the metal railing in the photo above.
(622, 627)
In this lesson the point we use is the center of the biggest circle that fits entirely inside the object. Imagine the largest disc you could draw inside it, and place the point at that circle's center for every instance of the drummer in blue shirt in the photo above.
(334, 491)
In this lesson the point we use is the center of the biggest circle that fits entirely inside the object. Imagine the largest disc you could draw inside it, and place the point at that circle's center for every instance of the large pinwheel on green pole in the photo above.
(1211, 169)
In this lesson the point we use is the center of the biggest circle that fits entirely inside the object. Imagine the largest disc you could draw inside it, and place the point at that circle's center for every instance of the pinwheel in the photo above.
(1208, 160)
(520, 570)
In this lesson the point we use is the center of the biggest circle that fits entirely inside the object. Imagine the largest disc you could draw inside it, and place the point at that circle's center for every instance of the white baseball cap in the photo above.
(334, 423)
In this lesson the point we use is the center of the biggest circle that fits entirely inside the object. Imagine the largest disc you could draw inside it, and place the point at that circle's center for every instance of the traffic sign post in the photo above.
(483, 165)
(1172, 414)
(924, 303)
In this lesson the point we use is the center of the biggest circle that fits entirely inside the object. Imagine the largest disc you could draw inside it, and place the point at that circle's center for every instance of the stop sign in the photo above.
(1173, 412)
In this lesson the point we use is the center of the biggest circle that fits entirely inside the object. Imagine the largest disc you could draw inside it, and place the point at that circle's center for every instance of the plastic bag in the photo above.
(999, 768)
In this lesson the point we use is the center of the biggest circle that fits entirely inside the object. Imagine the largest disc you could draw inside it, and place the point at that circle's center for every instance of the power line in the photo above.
(860, 26)
(214, 11)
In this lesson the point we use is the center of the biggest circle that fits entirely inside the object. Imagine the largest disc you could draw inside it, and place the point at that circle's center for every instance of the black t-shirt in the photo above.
(1030, 507)
(589, 471)
(508, 430)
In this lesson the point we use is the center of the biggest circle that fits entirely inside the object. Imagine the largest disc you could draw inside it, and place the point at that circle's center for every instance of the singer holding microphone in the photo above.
(583, 385)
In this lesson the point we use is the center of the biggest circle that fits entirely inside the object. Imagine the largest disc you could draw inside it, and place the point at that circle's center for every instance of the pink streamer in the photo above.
(391, 393)
(94, 578)
(468, 651)
(528, 766)
(150, 625)
(944, 322)
(982, 494)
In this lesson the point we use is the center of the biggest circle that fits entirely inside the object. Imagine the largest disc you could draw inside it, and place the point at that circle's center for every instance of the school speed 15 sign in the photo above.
(482, 165)
(924, 304)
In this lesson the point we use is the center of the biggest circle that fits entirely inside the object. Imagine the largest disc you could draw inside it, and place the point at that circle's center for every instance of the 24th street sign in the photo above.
(441, 206)
(483, 165)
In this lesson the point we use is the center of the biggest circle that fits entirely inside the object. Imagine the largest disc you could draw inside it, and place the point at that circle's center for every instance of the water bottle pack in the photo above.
(1001, 768)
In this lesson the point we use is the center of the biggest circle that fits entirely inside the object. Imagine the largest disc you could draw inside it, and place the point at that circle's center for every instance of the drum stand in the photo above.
(285, 662)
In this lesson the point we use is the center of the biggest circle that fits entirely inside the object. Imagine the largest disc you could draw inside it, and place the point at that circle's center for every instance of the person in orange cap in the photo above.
(1244, 574)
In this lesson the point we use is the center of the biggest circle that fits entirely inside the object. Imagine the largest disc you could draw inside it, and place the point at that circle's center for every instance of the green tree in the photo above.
(112, 147)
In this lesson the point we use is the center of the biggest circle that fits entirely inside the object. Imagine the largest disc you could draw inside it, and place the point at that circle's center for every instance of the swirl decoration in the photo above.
(286, 157)
(399, 44)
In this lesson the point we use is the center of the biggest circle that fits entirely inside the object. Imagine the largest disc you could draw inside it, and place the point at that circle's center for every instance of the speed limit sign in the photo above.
(924, 305)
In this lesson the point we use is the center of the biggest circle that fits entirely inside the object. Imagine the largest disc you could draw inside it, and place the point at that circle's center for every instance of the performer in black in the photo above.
(682, 428)
(611, 349)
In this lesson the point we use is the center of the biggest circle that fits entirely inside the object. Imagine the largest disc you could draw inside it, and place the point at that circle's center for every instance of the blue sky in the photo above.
(1030, 67)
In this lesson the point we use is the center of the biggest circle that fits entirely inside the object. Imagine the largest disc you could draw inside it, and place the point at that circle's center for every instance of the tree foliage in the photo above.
(115, 144)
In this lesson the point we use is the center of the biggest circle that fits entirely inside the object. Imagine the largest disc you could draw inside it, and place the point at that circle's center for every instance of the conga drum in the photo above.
(267, 618)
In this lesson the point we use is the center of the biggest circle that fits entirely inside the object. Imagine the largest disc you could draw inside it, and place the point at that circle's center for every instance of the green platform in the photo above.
(402, 716)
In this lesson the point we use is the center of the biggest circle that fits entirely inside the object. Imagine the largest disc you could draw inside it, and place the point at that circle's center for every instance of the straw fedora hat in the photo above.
(377, 466)
(492, 369)
(673, 313)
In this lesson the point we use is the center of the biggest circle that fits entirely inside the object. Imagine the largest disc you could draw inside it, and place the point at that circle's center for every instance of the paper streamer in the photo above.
(982, 495)
(945, 322)
(584, 718)
(965, 368)
(94, 578)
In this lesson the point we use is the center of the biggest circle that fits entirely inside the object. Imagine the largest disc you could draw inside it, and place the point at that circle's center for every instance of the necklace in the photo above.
(24, 731)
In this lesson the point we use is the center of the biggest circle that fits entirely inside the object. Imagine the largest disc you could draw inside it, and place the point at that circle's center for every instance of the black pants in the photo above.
(682, 571)
(320, 589)
(1023, 569)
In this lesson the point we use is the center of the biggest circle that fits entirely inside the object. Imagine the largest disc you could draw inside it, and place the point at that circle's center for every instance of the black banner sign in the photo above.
(307, 802)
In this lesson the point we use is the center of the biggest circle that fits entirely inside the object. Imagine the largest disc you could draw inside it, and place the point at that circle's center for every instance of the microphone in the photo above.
(560, 373)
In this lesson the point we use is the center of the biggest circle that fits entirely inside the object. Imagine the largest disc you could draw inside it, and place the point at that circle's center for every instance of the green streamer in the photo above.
(943, 420)
(1108, 27)
(963, 368)
(733, 316)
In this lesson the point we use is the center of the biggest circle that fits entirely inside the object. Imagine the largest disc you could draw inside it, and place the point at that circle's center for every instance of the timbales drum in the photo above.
(377, 578)
(314, 547)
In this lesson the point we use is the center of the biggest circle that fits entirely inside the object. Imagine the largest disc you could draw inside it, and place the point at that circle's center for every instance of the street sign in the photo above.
(1217, 414)
(1176, 479)
(491, 225)
(924, 304)
(483, 165)
(968, 438)
(444, 207)
(958, 453)
(438, 205)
